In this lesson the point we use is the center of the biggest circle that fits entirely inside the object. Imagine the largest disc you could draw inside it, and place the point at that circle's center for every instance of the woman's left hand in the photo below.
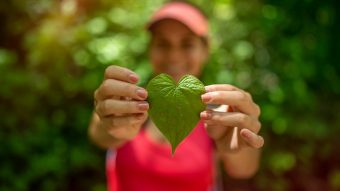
(235, 126)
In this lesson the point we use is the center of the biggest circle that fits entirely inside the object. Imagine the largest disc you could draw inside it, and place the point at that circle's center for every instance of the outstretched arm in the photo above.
(234, 128)
(120, 108)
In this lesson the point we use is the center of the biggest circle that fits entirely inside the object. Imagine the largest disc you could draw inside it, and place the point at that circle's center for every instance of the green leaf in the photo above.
(175, 108)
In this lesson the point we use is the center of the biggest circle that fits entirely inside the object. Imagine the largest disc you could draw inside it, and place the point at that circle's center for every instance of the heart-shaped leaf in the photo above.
(175, 108)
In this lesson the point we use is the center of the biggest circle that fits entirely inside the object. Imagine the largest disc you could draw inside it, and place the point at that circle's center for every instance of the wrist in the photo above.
(102, 138)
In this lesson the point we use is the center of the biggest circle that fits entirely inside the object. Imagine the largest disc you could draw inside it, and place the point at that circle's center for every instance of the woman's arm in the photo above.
(234, 129)
(120, 108)
(241, 164)
(100, 136)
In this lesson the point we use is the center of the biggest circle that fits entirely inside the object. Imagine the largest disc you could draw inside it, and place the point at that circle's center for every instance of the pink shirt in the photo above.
(144, 165)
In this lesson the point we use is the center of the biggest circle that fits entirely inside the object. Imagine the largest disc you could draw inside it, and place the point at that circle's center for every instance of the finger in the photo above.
(231, 119)
(237, 99)
(216, 132)
(113, 122)
(111, 87)
(221, 87)
(113, 106)
(124, 132)
(230, 140)
(252, 139)
(226, 87)
(121, 73)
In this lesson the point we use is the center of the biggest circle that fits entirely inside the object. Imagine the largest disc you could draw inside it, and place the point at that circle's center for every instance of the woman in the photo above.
(143, 160)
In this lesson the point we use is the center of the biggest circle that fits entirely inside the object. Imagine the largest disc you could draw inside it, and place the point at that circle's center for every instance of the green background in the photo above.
(52, 58)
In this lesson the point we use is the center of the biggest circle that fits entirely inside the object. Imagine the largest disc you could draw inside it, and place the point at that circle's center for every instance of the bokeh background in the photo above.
(53, 54)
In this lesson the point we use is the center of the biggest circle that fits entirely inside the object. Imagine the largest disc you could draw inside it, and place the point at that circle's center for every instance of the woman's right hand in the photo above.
(120, 103)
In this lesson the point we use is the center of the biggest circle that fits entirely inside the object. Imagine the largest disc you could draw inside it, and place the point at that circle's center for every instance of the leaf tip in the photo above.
(173, 152)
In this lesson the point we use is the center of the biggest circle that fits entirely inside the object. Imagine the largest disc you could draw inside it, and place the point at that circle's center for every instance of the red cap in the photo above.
(184, 13)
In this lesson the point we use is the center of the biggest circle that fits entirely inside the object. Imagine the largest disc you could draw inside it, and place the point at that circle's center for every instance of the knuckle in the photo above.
(96, 97)
(210, 88)
(243, 120)
(95, 94)
(133, 106)
(216, 96)
(105, 107)
(125, 71)
(101, 109)
(249, 96)
(130, 120)
(106, 86)
(258, 109)
(135, 119)
(109, 70)
(216, 117)
(129, 107)
(258, 126)
(114, 122)
(231, 87)
(242, 96)
(97, 110)
(111, 123)
(129, 88)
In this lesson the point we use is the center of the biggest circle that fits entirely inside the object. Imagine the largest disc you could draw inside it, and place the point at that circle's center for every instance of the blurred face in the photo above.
(176, 50)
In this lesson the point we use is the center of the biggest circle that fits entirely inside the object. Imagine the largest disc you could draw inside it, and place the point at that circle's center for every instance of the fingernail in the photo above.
(133, 78)
(246, 135)
(207, 89)
(205, 115)
(143, 106)
(141, 93)
(206, 97)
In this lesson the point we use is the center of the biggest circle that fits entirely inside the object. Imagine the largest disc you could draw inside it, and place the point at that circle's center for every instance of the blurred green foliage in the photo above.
(53, 54)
